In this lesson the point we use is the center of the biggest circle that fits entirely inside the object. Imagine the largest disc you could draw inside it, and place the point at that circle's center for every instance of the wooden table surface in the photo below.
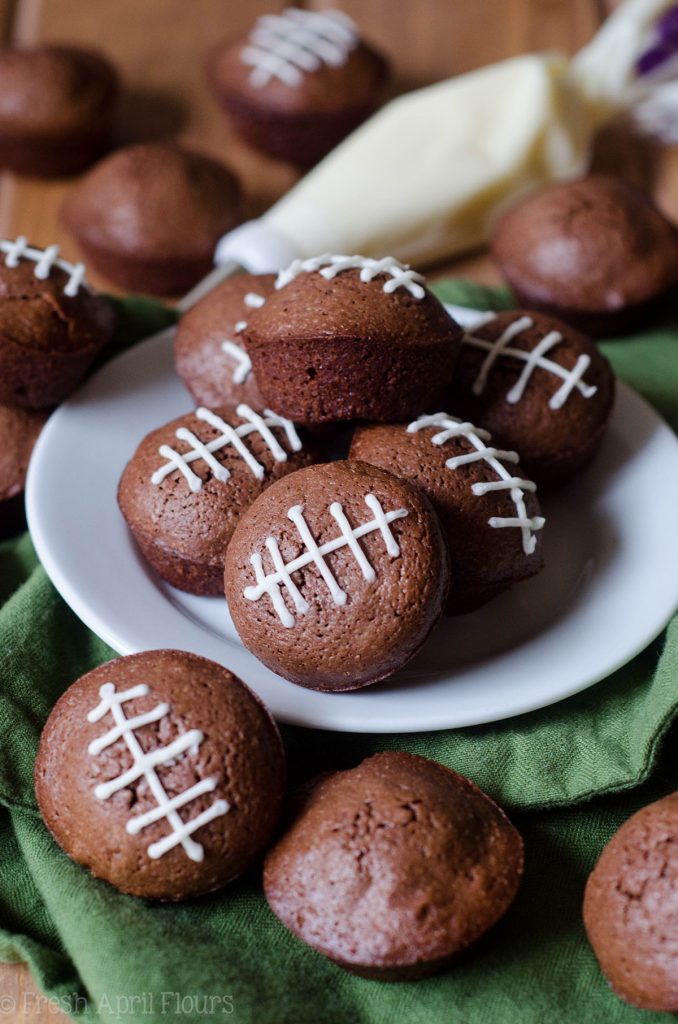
(159, 45)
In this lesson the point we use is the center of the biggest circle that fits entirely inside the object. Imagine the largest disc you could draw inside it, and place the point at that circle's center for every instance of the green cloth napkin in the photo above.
(561, 772)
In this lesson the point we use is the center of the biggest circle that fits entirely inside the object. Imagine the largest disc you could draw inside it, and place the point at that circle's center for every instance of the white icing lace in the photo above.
(398, 275)
(499, 349)
(45, 260)
(288, 45)
(243, 366)
(493, 457)
(316, 554)
(145, 764)
(229, 435)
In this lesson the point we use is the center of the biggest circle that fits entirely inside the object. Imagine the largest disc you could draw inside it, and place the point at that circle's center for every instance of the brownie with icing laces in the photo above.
(52, 325)
(350, 337)
(210, 353)
(336, 575)
(161, 773)
(487, 507)
(188, 483)
(540, 387)
(298, 82)
(288, 45)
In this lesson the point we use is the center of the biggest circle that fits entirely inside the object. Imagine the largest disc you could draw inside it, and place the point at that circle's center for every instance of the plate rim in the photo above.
(68, 590)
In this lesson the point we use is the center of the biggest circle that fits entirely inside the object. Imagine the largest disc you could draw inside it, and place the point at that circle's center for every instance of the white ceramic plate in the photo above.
(610, 585)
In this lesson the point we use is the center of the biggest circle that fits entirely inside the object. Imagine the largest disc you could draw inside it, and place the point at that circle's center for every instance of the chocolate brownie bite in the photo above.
(19, 430)
(336, 575)
(298, 83)
(596, 253)
(149, 216)
(393, 868)
(631, 908)
(346, 337)
(52, 325)
(539, 386)
(489, 512)
(57, 109)
(162, 773)
(189, 482)
(209, 351)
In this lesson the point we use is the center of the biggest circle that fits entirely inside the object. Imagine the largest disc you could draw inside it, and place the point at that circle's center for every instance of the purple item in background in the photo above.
(665, 46)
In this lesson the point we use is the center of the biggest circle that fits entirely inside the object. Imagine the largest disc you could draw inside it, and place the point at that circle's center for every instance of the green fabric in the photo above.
(562, 772)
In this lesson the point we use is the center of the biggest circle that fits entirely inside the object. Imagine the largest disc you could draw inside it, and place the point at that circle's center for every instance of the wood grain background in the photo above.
(159, 47)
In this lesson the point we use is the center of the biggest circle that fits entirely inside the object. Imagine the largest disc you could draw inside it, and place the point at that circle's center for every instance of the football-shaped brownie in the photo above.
(186, 486)
(336, 575)
(19, 430)
(345, 338)
(162, 773)
(298, 82)
(595, 252)
(489, 512)
(209, 352)
(393, 868)
(52, 325)
(538, 386)
(631, 908)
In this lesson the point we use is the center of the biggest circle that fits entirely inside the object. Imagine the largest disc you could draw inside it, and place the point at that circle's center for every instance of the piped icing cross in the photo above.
(534, 359)
(229, 435)
(314, 554)
(494, 458)
(286, 46)
(398, 275)
(45, 260)
(243, 366)
(145, 766)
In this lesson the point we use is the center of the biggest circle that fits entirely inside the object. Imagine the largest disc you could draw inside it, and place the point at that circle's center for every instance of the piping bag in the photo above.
(426, 176)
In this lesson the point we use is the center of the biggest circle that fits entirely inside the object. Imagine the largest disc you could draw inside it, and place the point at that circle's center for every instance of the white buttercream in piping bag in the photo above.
(426, 176)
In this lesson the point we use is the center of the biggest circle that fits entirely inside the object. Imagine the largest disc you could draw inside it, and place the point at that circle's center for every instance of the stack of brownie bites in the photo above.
(336, 570)
(336, 566)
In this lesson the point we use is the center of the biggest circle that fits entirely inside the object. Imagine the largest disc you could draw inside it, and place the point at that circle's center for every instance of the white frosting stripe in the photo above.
(296, 514)
(228, 435)
(399, 275)
(315, 554)
(45, 260)
(287, 45)
(243, 366)
(144, 765)
(494, 457)
(536, 358)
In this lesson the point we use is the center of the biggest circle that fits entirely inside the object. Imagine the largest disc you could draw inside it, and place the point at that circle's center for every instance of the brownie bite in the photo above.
(488, 510)
(336, 575)
(52, 325)
(189, 482)
(595, 252)
(298, 83)
(57, 109)
(149, 216)
(631, 908)
(209, 351)
(346, 338)
(162, 773)
(539, 386)
(393, 868)
(19, 430)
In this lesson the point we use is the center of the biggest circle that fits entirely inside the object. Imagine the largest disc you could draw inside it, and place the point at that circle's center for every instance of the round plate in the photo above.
(609, 587)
